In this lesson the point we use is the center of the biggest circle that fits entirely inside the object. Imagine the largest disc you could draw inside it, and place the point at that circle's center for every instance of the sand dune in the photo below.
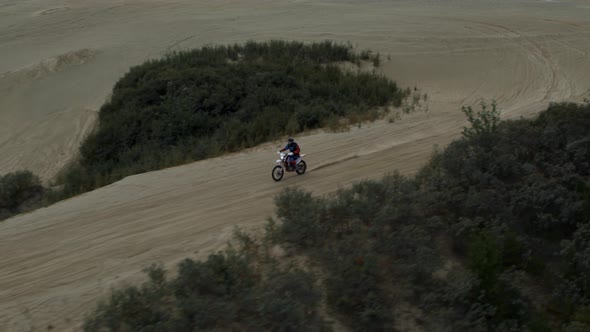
(54, 262)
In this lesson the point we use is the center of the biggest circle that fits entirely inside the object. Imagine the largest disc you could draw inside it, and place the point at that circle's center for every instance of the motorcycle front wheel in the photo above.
(277, 173)
(301, 167)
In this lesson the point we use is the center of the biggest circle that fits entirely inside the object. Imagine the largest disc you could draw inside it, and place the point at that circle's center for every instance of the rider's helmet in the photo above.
(290, 140)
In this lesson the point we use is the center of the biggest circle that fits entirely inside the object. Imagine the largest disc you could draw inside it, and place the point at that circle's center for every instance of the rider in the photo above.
(294, 148)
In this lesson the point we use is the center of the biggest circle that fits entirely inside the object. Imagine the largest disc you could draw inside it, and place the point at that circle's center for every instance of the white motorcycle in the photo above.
(283, 165)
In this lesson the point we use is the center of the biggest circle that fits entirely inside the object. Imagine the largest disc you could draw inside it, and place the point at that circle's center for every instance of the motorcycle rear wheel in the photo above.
(301, 167)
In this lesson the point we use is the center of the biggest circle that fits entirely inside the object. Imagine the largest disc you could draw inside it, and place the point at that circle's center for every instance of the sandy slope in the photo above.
(60, 59)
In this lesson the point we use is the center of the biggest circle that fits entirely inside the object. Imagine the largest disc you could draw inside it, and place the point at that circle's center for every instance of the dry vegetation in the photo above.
(511, 198)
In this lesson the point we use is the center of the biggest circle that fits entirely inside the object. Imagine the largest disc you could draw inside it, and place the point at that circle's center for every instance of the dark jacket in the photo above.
(292, 147)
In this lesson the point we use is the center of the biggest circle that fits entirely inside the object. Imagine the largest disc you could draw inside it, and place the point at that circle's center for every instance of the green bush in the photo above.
(492, 235)
(484, 121)
(20, 191)
(302, 218)
(228, 291)
(197, 104)
(512, 199)
(356, 236)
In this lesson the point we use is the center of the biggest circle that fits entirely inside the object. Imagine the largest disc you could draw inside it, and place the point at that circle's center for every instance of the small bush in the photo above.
(20, 191)
(225, 292)
(302, 216)
(484, 121)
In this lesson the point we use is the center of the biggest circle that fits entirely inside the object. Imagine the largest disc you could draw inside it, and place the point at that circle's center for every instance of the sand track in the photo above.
(56, 261)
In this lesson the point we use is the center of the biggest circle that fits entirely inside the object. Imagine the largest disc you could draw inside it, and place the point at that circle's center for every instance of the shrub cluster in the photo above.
(231, 290)
(509, 203)
(197, 104)
(493, 234)
(369, 239)
(20, 192)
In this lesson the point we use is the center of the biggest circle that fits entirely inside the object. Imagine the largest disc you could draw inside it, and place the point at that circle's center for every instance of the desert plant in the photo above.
(483, 121)
(197, 104)
(20, 191)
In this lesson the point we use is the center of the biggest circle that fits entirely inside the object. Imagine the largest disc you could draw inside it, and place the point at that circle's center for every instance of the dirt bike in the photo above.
(283, 165)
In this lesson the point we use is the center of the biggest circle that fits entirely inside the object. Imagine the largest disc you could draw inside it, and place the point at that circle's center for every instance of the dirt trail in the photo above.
(56, 261)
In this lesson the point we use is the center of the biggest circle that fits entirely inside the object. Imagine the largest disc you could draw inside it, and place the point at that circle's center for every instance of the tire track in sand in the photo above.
(558, 87)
